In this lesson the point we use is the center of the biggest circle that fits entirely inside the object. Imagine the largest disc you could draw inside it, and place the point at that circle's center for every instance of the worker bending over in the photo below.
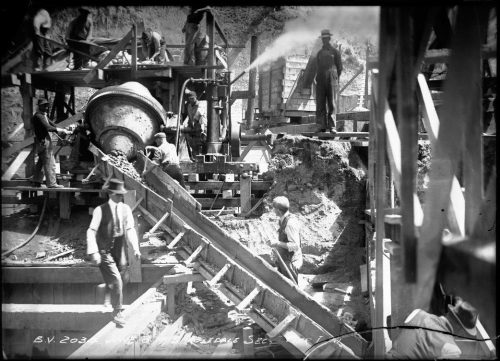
(44, 147)
(166, 157)
(288, 243)
(112, 223)
(150, 44)
(427, 340)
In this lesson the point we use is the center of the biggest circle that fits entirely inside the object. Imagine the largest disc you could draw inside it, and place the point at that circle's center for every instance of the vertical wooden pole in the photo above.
(171, 299)
(408, 128)
(365, 100)
(27, 95)
(248, 347)
(134, 52)
(245, 193)
(251, 82)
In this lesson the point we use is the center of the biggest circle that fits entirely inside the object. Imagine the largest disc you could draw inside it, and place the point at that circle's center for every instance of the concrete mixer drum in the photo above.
(124, 118)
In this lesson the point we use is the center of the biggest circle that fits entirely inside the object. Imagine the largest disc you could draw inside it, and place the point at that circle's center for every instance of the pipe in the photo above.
(32, 234)
(239, 76)
(177, 132)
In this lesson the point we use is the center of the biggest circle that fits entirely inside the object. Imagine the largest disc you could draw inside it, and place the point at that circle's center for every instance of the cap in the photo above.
(115, 186)
(325, 34)
(281, 203)
(160, 135)
(42, 101)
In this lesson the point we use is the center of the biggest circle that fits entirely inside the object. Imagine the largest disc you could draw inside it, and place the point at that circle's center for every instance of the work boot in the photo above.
(119, 319)
(56, 186)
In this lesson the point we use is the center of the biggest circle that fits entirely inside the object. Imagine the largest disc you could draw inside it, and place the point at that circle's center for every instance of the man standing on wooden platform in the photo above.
(42, 51)
(112, 223)
(328, 70)
(196, 125)
(167, 157)
(44, 147)
(288, 244)
(80, 29)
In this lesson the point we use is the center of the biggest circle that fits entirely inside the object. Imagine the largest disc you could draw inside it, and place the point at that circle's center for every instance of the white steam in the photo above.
(360, 22)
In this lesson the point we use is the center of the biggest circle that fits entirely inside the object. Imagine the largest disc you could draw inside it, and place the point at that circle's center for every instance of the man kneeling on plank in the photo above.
(111, 224)
(288, 244)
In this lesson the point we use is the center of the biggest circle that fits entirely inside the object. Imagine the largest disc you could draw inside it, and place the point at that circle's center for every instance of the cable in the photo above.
(4, 254)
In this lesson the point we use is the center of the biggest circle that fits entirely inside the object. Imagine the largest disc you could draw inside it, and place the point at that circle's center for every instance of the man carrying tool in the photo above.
(44, 146)
(112, 223)
(432, 336)
(80, 29)
(328, 70)
(41, 48)
(288, 244)
(196, 125)
(166, 157)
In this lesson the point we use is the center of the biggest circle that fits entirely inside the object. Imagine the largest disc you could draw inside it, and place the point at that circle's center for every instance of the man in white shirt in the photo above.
(166, 157)
(112, 223)
(288, 244)
(196, 124)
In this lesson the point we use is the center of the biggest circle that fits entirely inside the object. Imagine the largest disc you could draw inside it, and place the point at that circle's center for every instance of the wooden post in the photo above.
(65, 205)
(365, 100)
(171, 299)
(134, 52)
(134, 263)
(248, 347)
(27, 94)
(245, 193)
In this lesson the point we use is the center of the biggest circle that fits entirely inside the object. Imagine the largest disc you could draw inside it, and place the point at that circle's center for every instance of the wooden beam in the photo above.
(14, 166)
(245, 193)
(287, 321)
(249, 298)
(246, 150)
(456, 111)
(215, 185)
(83, 317)
(116, 49)
(138, 315)
(195, 254)
(171, 299)
(152, 220)
(133, 68)
(182, 278)
(156, 226)
(219, 275)
(176, 240)
(456, 210)
(163, 341)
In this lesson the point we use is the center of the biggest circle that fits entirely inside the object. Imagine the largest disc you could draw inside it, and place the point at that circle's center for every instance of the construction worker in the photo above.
(112, 223)
(196, 125)
(80, 29)
(288, 243)
(41, 47)
(328, 70)
(44, 147)
(167, 157)
(150, 44)
(193, 34)
(162, 56)
(426, 340)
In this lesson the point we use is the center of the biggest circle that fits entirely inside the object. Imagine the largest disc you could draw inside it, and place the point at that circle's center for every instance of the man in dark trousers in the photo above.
(196, 124)
(432, 336)
(328, 70)
(288, 244)
(112, 224)
(44, 147)
(80, 29)
(41, 52)
(166, 157)
(193, 34)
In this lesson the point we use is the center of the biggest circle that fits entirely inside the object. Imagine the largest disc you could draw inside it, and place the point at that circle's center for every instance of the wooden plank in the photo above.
(456, 111)
(456, 210)
(110, 338)
(247, 150)
(218, 167)
(171, 299)
(164, 338)
(152, 220)
(116, 49)
(195, 254)
(219, 275)
(182, 278)
(249, 298)
(134, 263)
(56, 190)
(82, 317)
(14, 166)
(155, 227)
(245, 193)
(29, 141)
(176, 240)
(286, 322)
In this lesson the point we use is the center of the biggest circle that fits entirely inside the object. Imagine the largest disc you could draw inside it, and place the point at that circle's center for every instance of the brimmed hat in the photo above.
(281, 203)
(42, 101)
(115, 186)
(160, 135)
(325, 34)
(466, 315)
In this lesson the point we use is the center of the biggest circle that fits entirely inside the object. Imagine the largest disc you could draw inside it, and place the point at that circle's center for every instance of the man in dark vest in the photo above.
(288, 244)
(328, 70)
(80, 29)
(112, 223)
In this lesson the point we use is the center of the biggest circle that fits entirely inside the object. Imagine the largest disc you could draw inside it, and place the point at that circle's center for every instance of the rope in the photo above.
(4, 254)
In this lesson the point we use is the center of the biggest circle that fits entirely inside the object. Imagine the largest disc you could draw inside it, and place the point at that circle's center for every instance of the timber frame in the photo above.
(460, 204)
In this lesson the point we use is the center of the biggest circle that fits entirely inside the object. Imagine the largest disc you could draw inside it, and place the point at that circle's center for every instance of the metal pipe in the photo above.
(251, 82)
(239, 76)
(213, 129)
(179, 110)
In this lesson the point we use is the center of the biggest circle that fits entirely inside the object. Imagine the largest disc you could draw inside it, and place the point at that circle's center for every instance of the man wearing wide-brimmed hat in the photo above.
(430, 336)
(328, 70)
(44, 147)
(112, 223)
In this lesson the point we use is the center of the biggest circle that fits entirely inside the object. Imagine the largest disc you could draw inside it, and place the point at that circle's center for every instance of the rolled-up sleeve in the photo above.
(92, 230)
